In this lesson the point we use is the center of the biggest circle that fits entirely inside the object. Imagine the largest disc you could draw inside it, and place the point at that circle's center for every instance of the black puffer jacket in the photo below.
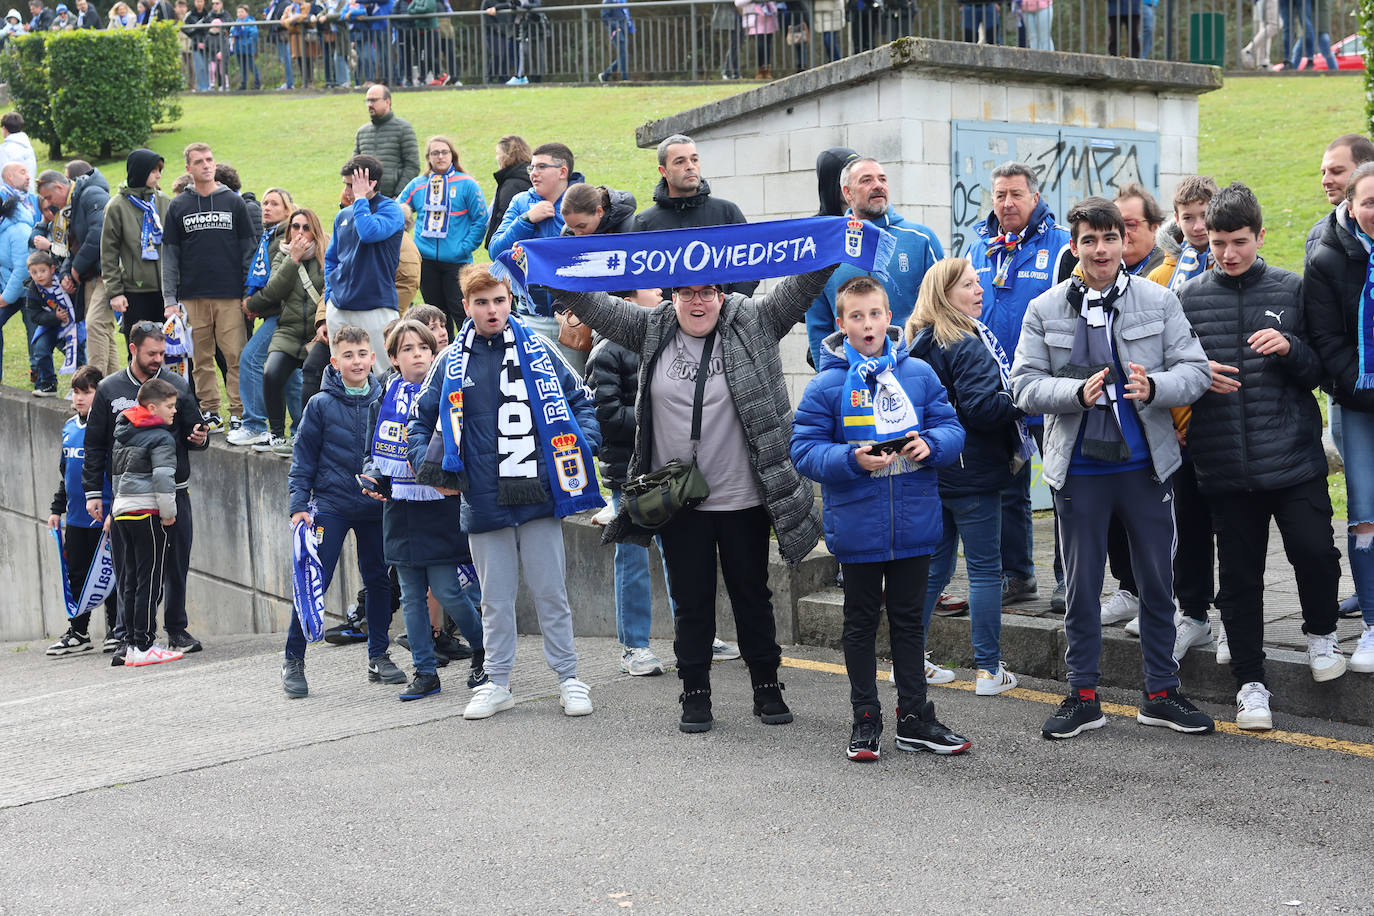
(89, 197)
(1331, 288)
(510, 181)
(1267, 435)
(619, 218)
(613, 376)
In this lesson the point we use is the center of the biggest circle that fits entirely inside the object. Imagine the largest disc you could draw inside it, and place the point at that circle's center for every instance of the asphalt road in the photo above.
(199, 788)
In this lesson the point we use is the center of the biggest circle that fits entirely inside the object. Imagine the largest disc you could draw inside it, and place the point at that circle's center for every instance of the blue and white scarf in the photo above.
(876, 407)
(100, 578)
(1025, 449)
(534, 422)
(150, 233)
(180, 349)
(1191, 263)
(307, 580)
(685, 257)
(435, 225)
(70, 333)
(260, 270)
(389, 442)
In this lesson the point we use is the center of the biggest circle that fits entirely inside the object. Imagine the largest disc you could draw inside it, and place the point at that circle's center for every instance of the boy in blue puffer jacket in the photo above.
(870, 392)
(331, 442)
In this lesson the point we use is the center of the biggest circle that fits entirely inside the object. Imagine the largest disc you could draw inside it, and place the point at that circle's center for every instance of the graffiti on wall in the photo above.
(1070, 164)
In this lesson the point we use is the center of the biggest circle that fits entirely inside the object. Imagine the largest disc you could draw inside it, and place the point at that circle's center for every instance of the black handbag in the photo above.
(652, 499)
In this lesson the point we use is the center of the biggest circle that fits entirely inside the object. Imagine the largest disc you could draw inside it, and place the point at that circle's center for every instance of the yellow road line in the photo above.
(1298, 739)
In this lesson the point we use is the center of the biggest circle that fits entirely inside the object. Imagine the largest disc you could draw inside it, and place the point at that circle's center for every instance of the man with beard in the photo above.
(864, 186)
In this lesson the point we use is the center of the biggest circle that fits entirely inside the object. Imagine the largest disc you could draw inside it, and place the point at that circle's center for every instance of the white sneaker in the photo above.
(605, 516)
(488, 700)
(935, 674)
(991, 683)
(1252, 708)
(640, 662)
(1223, 647)
(575, 697)
(1122, 606)
(268, 444)
(153, 655)
(1188, 633)
(722, 651)
(1362, 659)
(1324, 657)
(245, 436)
(1132, 627)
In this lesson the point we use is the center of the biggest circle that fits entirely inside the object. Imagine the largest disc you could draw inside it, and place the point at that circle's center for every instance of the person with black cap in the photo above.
(131, 242)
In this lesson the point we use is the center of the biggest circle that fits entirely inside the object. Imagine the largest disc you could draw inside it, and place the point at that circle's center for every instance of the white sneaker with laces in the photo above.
(245, 436)
(266, 445)
(1132, 627)
(1223, 647)
(640, 662)
(1324, 657)
(722, 651)
(1362, 659)
(488, 700)
(991, 683)
(1188, 633)
(1122, 606)
(1252, 708)
(935, 674)
(575, 697)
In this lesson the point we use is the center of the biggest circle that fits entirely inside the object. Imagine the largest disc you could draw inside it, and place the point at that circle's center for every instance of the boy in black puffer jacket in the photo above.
(1255, 439)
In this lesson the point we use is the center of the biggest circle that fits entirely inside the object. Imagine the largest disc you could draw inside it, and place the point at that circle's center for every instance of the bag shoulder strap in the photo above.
(707, 346)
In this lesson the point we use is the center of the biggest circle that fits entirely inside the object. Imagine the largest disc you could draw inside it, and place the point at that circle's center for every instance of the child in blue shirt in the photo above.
(81, 536)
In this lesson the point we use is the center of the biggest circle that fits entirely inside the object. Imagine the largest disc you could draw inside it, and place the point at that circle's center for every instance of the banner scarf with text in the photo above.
(100, 578)
(686, 257)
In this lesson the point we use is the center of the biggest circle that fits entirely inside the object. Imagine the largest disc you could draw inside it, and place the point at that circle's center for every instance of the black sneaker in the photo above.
(478, 675)
(118, 660)
(213, 422)
(424, 685)
(70, 643)
(864, 739)
(383, 669)
(451, 646)
(925, 733)
(183, 642)
(1075, 715)
(293, 678)
(352, 630)
(235, 424)
(696, 711)
(1172, 710)
(1059, 598)
(769, 705)
(109, 645)
(1014, 591)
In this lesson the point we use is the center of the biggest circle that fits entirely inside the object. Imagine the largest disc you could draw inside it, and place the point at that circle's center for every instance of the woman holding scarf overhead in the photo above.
(1338, 296)
(450, 221)
(746, 428)
(276, 208)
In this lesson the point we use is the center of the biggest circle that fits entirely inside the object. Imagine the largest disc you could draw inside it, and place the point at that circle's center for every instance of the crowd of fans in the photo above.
(1160, 367)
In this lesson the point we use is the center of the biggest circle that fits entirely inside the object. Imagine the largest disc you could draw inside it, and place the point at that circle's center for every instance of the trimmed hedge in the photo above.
(94, 91)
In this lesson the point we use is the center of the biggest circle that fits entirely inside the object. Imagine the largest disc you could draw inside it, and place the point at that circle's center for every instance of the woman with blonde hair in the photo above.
(121, 17)
(944, 330)
(450, 221)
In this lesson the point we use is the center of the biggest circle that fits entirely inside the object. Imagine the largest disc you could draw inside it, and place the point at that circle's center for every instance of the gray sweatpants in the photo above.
(534, 549)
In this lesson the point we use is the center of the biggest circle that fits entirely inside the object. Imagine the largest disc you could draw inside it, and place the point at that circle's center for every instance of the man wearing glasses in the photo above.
(537, 214)
(1143, 216)
(391, 139)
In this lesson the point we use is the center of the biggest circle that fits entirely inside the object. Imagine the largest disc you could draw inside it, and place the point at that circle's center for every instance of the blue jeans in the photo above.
(200, 65)
(342, 76)
(248, 62)
(1038, 23)
(977, 520)
(1306, 46)
(830, 41)
(367, 537)
(284, 55)
(416, 583)
(45, 340)
(1357, 439)
(1147, 30)
(251, 361)
(620, 44)
(1017, 560)
(633, 601)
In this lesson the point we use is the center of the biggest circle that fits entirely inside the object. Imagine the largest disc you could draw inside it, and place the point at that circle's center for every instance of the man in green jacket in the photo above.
(131, 243)
(390, 139)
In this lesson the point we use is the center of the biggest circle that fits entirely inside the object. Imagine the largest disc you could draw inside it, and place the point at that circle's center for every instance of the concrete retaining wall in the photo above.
(240, 575)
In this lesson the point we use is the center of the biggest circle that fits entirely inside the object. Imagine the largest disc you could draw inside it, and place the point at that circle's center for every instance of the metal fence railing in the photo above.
(688, 39)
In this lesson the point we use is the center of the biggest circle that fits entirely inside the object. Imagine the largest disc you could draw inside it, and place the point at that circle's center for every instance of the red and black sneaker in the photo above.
(864, 739)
